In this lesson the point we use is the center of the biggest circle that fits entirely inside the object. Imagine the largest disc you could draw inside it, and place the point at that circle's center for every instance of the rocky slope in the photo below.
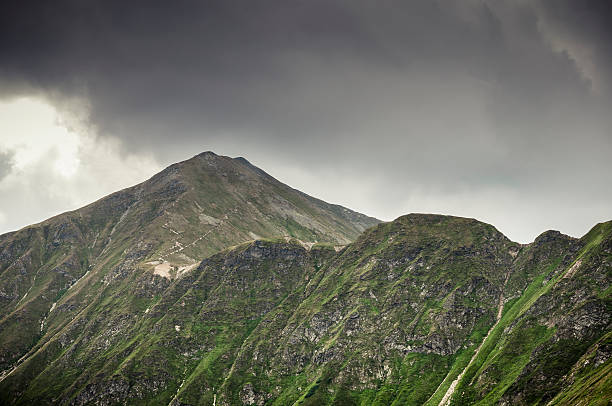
(426, 309)
(440, 310)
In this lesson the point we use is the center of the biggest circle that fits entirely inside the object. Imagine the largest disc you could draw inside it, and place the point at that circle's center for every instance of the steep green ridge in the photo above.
(547, 330)
(190, 331)
(362, 336)
(426, 309)
(53, 271)
(386, 319)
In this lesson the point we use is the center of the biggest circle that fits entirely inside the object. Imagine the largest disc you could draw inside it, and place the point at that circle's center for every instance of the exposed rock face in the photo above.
(399, 316)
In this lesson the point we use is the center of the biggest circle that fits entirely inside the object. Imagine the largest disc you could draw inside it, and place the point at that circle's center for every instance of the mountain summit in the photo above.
(163, 226)
(214, 284)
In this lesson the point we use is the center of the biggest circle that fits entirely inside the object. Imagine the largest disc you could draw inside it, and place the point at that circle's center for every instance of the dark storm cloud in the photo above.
(426, 97)
(285, 68)
(586, 25)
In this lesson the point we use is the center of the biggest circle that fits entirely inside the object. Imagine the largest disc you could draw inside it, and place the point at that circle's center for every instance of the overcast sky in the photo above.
(500, 111)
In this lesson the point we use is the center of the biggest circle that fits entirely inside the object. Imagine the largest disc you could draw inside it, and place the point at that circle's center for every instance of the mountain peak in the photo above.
(429, 218)
(205, 155)
(211, 161)
(551, 236)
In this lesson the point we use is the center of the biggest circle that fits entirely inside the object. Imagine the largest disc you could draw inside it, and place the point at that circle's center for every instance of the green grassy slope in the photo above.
(383, 323)
(189, 333)
(563, 311)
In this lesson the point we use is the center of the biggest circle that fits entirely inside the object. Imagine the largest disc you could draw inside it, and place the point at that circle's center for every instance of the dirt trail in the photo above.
(182, 247)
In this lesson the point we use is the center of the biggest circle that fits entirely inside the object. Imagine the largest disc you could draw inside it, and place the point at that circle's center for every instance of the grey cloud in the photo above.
(6, 163)
(585, 29)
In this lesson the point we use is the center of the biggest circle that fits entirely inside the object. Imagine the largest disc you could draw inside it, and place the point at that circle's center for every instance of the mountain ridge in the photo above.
(169, 170)
(105, 308)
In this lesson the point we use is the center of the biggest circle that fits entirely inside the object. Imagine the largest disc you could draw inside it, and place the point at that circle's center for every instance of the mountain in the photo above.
(101, 306)
(163, 226)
